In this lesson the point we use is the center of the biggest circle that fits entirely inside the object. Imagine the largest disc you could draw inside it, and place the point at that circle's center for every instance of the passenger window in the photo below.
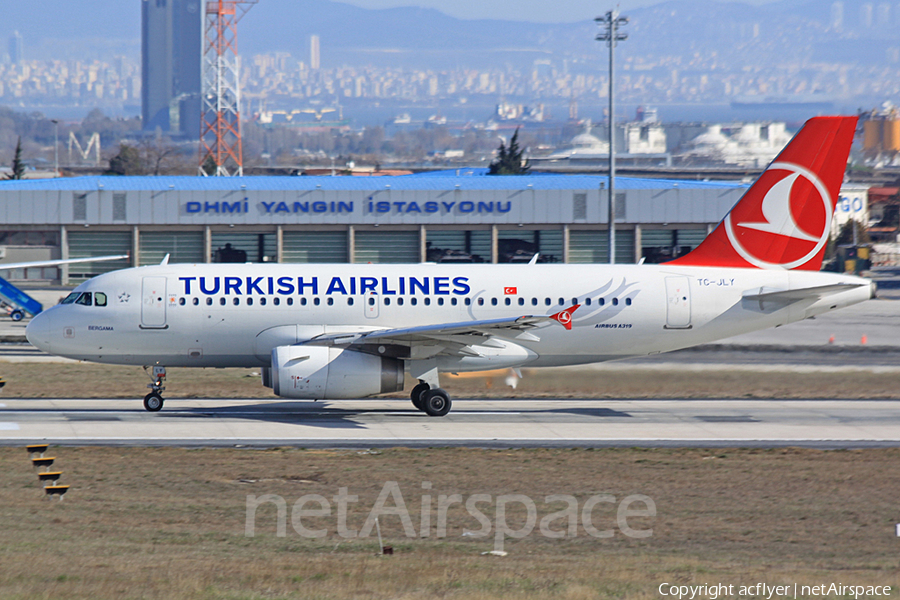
(440, 301)
(601, 301)
(100, 299)
(249, 301)
(587, 301)
(534, 301)
(547, 301)
(330, 301)
(316, 301)
(290, 301)
(236, 301)
(302, 301)
(222, 301)
(562, 301)
(574, 301)
(209, 301)
(387, 301)
(71, 298)
(262, 301)
(508, 301)
(493, 302)
(521, 301)
(276, 301)
(468, 301)
(399, 302)
(195, 301)
(350, 301)
(615, 301)
(371, 301)
(427, 301)
(453, 301)
(85, 299)
(413, 301)
(627, 301)
(481, 302)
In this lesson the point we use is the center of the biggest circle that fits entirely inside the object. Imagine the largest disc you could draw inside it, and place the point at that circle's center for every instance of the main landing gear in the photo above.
(433, 401)
(153, 401)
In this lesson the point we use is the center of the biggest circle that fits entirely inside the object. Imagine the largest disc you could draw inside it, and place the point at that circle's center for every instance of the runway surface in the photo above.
(478, 423)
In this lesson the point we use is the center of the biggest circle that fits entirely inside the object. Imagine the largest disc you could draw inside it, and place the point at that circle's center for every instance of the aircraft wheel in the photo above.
(437, 402)
(17, 315)
(416, 395)
(153, 402)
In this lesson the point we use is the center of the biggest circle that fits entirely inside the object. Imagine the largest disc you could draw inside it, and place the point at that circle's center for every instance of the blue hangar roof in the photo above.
(445, 181)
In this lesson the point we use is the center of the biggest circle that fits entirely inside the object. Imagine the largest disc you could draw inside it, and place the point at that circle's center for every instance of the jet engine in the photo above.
(318, 372)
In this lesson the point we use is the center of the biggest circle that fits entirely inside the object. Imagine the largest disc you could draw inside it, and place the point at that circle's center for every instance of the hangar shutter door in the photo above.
(691, 237)
(590, 246)
(92, 243)
(519, 245)
(259, 247)
(314, 247)
(387, 247)
(186, 247)
(467, 244)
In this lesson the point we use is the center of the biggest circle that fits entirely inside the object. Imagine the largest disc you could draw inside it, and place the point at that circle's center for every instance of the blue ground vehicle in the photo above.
(17, 303)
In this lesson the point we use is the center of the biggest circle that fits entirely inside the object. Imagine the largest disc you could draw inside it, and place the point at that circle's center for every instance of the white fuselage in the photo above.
(233, 315)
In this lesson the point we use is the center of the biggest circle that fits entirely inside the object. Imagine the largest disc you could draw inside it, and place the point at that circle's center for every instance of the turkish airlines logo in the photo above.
(510, 291)
(785, 223)
(564, 317)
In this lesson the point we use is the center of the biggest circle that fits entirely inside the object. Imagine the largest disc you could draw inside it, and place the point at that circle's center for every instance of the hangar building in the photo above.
(437, 217)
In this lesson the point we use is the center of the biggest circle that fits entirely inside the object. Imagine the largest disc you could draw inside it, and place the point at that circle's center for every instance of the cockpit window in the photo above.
(85, 298)
(99, 299)
(70, 298)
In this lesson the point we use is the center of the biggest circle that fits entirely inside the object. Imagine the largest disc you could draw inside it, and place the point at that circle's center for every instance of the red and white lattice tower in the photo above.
(220, 119)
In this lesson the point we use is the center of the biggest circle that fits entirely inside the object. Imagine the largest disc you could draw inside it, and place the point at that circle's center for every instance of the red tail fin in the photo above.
(784, 219)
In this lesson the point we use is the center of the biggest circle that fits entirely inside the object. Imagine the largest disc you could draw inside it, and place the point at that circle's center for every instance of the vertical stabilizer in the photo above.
(784, 219)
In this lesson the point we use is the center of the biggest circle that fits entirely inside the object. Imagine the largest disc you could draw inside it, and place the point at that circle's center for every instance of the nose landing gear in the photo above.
(154, 401)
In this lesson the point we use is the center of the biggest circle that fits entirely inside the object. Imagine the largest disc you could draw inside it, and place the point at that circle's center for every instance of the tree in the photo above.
(18, 167)
(126, 162)
(209, 166)
(845, 235)
(509, 160)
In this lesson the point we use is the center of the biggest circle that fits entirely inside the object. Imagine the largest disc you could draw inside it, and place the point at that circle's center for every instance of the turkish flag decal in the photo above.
(510, 291)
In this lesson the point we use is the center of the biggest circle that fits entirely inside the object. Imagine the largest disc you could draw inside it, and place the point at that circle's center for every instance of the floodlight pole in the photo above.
(56, 151)
(610, 34)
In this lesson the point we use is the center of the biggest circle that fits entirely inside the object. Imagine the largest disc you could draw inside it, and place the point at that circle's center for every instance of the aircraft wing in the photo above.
(768, 295)
(53, 263)
(454, 338)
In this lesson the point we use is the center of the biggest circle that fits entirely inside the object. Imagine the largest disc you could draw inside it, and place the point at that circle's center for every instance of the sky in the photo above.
(541, 11)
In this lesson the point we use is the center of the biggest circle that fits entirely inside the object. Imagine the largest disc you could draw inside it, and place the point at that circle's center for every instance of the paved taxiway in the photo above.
(481, 423)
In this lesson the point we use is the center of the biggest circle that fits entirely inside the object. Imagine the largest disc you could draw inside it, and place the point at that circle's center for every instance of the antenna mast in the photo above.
(220, 120)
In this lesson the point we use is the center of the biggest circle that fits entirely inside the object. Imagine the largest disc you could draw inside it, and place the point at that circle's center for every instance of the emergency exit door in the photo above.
(678, 303)
(153, 303)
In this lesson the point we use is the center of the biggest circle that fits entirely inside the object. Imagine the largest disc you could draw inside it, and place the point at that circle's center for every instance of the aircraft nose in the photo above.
(38, 331)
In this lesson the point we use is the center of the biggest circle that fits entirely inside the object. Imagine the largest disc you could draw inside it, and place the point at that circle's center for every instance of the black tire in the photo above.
(153, 402)
(437, 402)
(17, 315)
(416, 395)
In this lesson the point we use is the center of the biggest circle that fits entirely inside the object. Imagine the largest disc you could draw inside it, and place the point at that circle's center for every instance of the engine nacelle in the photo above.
(318, 372)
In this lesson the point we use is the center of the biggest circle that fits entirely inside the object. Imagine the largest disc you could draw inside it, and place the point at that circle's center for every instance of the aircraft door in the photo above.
(678, 303)
(372, 302)
(153, 303)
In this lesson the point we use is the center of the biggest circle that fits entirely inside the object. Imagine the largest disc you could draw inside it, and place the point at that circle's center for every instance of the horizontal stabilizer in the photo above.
(764, 295)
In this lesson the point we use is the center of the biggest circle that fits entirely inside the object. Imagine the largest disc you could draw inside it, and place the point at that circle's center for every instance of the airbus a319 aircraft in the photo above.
(351, 331)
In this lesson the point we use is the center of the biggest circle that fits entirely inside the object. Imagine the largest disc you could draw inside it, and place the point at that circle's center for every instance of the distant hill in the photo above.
(413, 37)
